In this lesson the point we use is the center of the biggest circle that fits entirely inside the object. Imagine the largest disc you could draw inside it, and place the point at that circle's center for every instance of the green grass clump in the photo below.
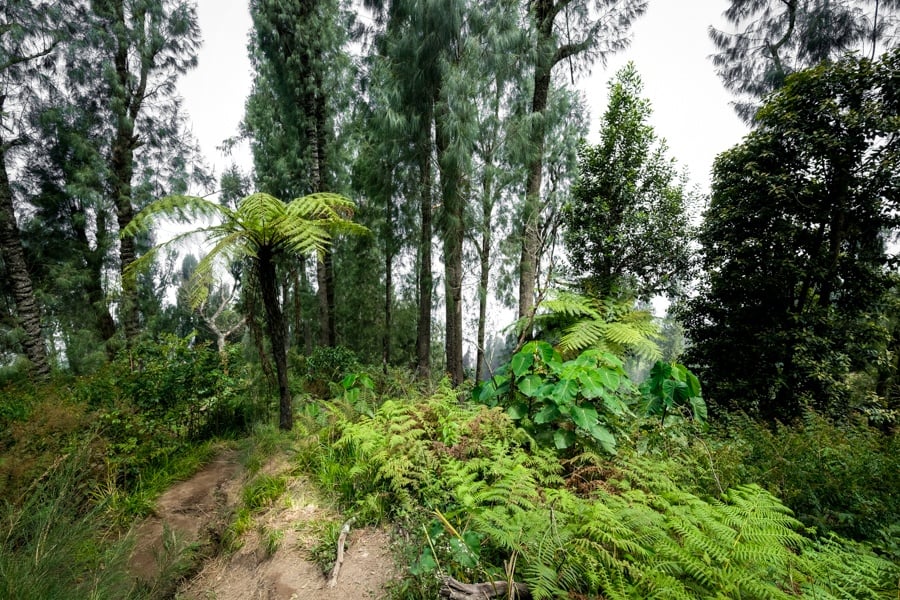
(53, 548)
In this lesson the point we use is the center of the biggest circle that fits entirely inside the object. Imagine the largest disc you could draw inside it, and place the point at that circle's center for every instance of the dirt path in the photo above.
(193, 514)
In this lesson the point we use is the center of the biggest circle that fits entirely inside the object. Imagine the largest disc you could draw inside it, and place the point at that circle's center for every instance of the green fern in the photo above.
(608, 325)
(636, 534)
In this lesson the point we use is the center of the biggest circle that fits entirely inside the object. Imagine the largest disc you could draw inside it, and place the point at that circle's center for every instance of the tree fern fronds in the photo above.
(609, 325)
(179, 208)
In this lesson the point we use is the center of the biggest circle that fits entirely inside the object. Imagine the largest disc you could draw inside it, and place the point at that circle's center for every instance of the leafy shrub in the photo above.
(327, 365)
(838, 477)
(671, 389)
(561, 401)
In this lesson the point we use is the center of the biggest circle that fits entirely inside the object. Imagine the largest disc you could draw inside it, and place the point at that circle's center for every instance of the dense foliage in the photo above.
(626, 225)
(794, 246)
(583, 462)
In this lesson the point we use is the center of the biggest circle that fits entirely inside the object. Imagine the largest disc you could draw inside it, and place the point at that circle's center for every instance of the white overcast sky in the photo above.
(670, 48)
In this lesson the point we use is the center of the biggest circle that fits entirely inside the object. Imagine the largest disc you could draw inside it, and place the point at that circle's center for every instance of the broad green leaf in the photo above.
(605, 437)
(614, 404)
(565, 391)
(591, 385)
(563, 438)
(698, 407)
(461, 554)
(521, 363)
(530, 385)
(609, 378)
(693, 385)
(584, 416)
(548, 414)
(517, 410)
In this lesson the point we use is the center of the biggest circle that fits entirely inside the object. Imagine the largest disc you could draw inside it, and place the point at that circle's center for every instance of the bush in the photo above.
(328, 365)
(837, 477)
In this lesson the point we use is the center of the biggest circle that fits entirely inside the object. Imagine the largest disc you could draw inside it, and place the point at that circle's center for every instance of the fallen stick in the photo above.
(339, 560)
(452, 589)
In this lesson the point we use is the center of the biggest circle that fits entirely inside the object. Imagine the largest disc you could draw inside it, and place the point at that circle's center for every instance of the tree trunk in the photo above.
(27, 312)
(388, 291)
(276, 330)
(425, 279)
(484, 256)
(453, 230)
(529, 262)
(316, 110)
(128, 92)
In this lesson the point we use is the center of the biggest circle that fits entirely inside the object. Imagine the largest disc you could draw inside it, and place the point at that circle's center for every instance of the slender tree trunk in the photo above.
(275, 325)
(27, 312)
(316, 113)
(128, 98)
(425, 279)
(531, 218)
(484, 256)
(299, 340)
(388, 287)
(453, 230)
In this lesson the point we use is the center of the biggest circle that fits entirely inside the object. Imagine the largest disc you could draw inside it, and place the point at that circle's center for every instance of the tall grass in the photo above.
(53, 545)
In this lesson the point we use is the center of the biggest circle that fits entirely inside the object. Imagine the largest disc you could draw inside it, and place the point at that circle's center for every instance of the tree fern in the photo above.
(608, 325)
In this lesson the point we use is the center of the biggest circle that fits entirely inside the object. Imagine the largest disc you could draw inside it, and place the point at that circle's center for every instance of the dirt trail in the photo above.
(197, 511)
(189, 513)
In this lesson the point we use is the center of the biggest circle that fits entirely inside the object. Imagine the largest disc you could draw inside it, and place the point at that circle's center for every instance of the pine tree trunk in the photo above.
(388, 292)
(487, 206)
(127, 101)
(275, 325)
(531, 221)
(425, 279)
(27, 312)
(453, 230)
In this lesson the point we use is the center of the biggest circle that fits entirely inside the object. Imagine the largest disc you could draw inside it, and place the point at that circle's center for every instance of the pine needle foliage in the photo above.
(501, 505)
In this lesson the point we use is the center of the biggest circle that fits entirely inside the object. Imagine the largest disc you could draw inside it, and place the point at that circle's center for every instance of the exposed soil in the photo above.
(194, 513)
(191, 513)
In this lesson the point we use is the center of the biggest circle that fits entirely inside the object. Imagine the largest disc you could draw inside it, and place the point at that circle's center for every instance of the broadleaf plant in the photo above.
(562, 402)
(671, 389)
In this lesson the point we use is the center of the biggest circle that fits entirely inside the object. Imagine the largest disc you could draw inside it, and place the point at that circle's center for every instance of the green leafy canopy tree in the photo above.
(794, 244)
(260, 230)
(627, 231)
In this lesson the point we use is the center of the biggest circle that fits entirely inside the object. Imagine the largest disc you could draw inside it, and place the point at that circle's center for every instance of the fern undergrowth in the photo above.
(489, 503)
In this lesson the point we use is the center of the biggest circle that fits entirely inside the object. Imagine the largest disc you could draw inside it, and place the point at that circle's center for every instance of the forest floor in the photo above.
(272, 560)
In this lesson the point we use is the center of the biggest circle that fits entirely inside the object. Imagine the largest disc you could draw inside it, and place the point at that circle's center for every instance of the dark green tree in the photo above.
(627, 230)
(30, 33)
(775, 38)
(301, 65)
(140, 48)
(794, 244)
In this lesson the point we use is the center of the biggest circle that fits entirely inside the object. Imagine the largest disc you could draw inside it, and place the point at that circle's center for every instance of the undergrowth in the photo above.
(487, 502)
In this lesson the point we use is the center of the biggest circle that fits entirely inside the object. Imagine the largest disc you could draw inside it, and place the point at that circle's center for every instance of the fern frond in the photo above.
(180, 209)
